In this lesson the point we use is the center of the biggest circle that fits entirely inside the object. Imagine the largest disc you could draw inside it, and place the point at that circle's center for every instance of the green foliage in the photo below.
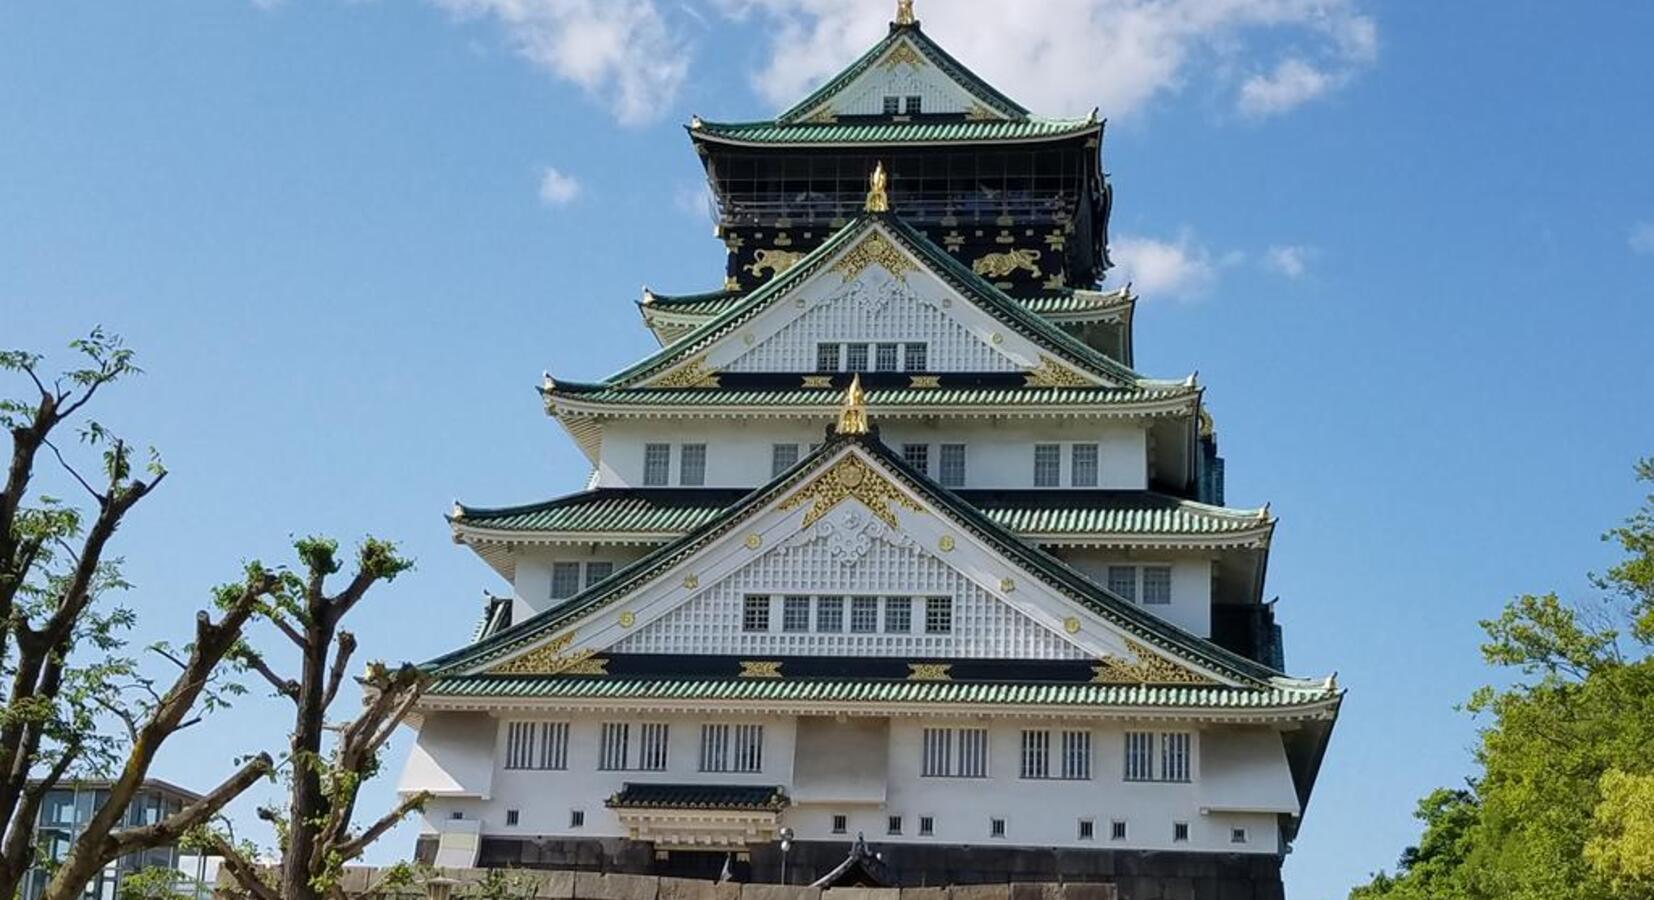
(157, 883)
(1563, 808)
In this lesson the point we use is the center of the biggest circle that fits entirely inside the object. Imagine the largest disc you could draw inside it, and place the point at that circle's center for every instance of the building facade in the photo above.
(890, 539)
(64, 812)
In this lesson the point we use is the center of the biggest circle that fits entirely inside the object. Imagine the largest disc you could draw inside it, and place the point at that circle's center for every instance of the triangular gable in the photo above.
(858, 473)
(871, 261)
(905, 63)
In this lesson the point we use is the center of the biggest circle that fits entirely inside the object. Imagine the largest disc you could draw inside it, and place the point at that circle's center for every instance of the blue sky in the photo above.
(1407, 246)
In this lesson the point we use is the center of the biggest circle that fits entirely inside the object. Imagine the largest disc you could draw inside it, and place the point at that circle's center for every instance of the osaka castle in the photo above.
(890, 568)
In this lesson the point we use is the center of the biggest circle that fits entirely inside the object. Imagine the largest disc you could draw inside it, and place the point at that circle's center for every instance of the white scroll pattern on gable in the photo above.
(865, 97)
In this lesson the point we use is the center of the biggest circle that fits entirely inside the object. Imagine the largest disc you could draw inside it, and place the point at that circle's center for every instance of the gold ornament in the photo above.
(628, 619)
(691, 581)
(1071, 625)
(929, 672)
(761, 669)
(1007, 585)
(877, 200)
(550, 658)
(904, 12)
(818, 381)
(874, 250)
(978, 112)
(925, 381)
(852, 417)
(753, 541)
(945, 543)
(1051, 373)
(693, 374)
(999, 265)
(776, 261)
(1149, 668)
(849, 478)
(822, 116)
(902, 54)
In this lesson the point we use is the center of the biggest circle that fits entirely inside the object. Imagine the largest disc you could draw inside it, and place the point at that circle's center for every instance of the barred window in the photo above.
(914, 104)
(732, 748)
(952, 471)
(1174, 756)
(829, 614)
(1117, 829)
(1180, 832)
(782, 457)
(1036, 754)
(884, 357)
(927, 826)
(1047, 465)
(1122, 580)
(898, 615)
(652, 742)
(795, 614)
(1157, 585)
(914, 357)
(937, 761)
(714, 748)
(855, 357)
(692, 465)
(938, 615)
(612, 746)
(954, 753)
(755, 614)
(1139, 756)
(917, 456)
(1076, 755)
(827, 357)
(1087, 830)
(996, 827)
(519, 745)
(1084, 470)
(892, 105)
(973, 753)
(893, 825)
(749, 748)
(565, 580)
(841, 823)
(598, 572)
(864, 615)
(554, 745)
(657, 465)
(1172, 762)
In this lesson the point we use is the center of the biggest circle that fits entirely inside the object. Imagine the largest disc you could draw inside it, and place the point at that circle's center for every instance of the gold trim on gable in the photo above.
(902, 54)
(929, 672)
(849, 478)
(1149, 668)
(552, 658)
(874, 250)
(765, 668)
(1051, 373)
(693, 374)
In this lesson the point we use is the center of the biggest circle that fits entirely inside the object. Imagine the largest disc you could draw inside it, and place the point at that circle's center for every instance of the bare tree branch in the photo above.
(350, 849)
(245, 872)
(346, 646)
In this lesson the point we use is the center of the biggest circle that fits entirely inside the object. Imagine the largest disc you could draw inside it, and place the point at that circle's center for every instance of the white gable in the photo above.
(902, 71)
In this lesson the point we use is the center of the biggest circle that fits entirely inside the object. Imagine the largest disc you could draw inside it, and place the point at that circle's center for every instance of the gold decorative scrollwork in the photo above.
(553, 658)
(1149, 668)
(818, 381)
(767, 668)
(902, 54)
(693, 374)
(924, 382)
(849, 478)
(776, 261)
(874, 250)
(1051, 373)
(979, 112)
(929, 672)
(822, 116)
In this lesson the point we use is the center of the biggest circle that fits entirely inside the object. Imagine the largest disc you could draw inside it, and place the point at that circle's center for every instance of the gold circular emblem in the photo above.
(1071, 625)
(850, 476)
(1007, 585)
(754, 541)
(945, 543)
(628, 619)
(998, 338)
(691, 581)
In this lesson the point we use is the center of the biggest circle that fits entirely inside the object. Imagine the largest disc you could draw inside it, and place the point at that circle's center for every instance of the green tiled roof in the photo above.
(698, 796)
(668, 512)
(920, 132)
(705, 303)
(774, 690)
(1047, 303)
(878, 399)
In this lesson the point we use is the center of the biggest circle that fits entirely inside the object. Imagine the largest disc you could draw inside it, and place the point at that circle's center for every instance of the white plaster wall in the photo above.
(1191, 606)
(997, 455)
(1234, 769)
(453, 756)
(533, 584)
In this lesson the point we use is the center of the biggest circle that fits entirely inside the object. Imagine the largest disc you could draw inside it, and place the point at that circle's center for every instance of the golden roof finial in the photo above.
(852, 417)
(878, 200)
(904, 12)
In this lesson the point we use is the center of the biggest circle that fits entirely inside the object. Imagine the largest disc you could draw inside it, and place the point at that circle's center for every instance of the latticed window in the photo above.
(1122, 580)
(915, 357)
(1076, 755)
(954, 753)
(1083, 472)
(782, 457)
(565, 580)
(1139, 756)
(830, 614)
(714, 748)
(952, 460)
(612, 746)
(864, 615)
(938, 615)
(996, 827)
(537, 745)
(652, 742)
(692, 465)
(827, 357)
(1036, 754)
(1157, 585)
(755, 614)
(1171, 764)
(892, 105)
(795, 614)
(1047, 465)
(914, 104)
(732, 748)
(884, 357)
(1174, 756)
(598, 572)
(749, 748)
(898, 615)
(657, 465)
(917, 456)
(855, 357)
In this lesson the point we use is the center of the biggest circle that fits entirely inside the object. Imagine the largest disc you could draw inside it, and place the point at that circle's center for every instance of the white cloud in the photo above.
(1642, 239)
(556, 188)
(622, 52)
(1166, 269)
(1066, 56)
(1291, 260)
(694, 199)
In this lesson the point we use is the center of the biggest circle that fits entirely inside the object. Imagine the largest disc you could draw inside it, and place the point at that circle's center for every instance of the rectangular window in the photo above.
(1157, 585)
(692, 465)
(855, 357)
(657, 465)
(1036, 754)
(612, 746)
(954, 753)
(714, 748)
(782, 457)
(519, 745)
(540, 745)
(938, 615)
(830, 614)
(1139, 756)
(914, 103)
(653, 740)
(1237, 835)
(1180, 832)
(885, 357)
(749, 748)
(996, 827)
(1047, 465)
(565, 580)
(755, 614)
(511, 818)
(917, 456)
(1088, 829)
(1174, 756)
(795, 614)
(732, 748)
(864, 615)
(577, 818)
(827, 357)
(898, 615)
(893, 825)
(598, 572)
(841, 823)
(1084, 470)
(892, 105)
(973, 753)
(1076, 755)
(952, 472)
(914, 357)
(1117, 829)
(1122, 580)
(927, 826)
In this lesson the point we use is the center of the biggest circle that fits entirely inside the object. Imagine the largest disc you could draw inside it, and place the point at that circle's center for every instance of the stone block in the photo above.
(861, 893)
(1088, 890)
(779, 892)
(1038, 890)
(925, 893)
(980, 892)
(698, 889)
(550, 884)
(593, 886)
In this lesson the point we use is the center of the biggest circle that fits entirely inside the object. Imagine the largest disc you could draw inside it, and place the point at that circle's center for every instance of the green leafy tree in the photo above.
(1563, 808)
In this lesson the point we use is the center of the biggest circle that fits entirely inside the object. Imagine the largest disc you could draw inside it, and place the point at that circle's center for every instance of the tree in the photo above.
(1563, 807)
(61, 649)
(315, 834)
